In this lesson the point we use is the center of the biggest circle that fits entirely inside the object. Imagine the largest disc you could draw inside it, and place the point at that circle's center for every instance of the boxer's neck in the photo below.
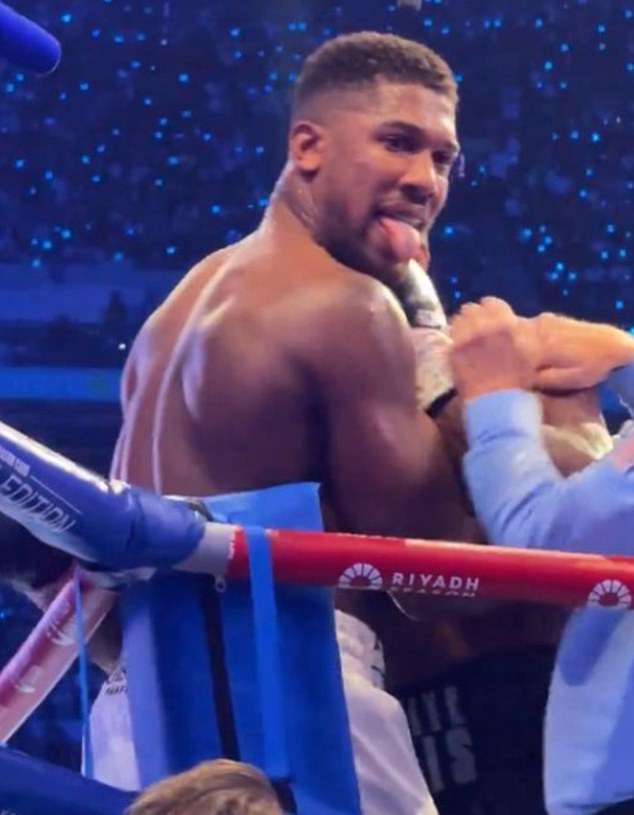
(292, 205)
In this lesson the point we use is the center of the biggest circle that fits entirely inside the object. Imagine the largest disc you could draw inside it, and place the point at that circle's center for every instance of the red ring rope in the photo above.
(445, 569)
(349, 561)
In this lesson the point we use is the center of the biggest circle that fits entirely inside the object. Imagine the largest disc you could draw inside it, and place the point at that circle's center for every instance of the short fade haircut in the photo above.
(221, 787)
(357, 60)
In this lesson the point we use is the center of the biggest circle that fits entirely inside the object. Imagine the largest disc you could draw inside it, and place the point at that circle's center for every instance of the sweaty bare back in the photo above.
(143, 374)
(212, 399)
(271, 363)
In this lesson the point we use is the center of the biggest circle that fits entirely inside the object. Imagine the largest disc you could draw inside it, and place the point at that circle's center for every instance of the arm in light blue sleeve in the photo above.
(523, 501)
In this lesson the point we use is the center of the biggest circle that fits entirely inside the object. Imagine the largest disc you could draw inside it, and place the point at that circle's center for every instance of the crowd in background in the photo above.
(159, 138)
(160, 135)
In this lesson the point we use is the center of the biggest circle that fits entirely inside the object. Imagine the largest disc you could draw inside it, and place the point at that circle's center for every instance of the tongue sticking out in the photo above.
(404, 239)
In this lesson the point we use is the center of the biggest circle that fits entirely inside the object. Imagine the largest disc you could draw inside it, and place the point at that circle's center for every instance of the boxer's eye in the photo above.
(444, 161)
(398, 143)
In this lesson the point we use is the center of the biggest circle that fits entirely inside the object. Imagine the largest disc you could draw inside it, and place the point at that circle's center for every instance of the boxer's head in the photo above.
(373, 140)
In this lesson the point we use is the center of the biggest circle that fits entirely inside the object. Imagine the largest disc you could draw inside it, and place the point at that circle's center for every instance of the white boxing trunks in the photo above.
(389, 775)
(390, 779)
(114, 759)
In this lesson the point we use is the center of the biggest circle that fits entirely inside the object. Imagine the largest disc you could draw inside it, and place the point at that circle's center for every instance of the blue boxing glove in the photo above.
(106, 522)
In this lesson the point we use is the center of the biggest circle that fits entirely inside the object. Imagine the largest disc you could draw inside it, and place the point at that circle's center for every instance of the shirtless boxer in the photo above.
(288, 357)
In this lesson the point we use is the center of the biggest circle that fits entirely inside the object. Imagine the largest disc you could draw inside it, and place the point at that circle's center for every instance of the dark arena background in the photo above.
(159, 138)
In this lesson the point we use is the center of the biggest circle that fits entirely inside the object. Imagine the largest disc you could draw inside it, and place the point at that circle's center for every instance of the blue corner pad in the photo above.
(281, 658)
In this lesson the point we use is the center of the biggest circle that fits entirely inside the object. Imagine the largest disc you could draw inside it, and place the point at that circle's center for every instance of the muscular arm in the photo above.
(388, 470)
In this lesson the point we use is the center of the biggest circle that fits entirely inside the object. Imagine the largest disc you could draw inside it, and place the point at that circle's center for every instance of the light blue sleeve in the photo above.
(523, 501)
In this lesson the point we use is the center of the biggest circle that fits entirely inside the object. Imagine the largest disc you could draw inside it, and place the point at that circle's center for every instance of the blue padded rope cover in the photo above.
(25, 44)
(170, 688)
(29, 786)
(267, 654)
(108, 522)
(166, 653)
(313, 707)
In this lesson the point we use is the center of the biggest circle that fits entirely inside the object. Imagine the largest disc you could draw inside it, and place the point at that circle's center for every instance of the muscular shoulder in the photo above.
(161, 328)
(357, 319)
(355, 295)
(284, 316)
(180, 300)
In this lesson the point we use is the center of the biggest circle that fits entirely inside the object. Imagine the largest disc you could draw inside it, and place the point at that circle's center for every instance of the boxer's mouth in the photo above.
(415, 221)
(402, 231)
(410, 219)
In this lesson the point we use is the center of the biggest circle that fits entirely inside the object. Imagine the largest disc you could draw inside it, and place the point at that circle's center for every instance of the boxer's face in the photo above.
(381, 173)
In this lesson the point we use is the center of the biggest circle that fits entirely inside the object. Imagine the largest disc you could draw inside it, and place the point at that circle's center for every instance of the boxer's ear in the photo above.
(306, 145)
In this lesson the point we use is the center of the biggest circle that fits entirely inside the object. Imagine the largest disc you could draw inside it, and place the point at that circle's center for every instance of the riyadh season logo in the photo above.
(362, 575)
(367, 576)
(610, 594)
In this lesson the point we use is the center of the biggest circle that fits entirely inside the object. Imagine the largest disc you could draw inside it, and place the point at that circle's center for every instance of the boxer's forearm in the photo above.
(523, 501)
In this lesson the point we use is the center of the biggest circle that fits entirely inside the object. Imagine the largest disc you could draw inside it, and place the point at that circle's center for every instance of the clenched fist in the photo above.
(493, 349)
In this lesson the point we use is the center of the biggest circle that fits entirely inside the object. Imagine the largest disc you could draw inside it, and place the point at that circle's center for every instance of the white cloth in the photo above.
(422, 300)
(389, 776)
(390, 779)
(430, 335)
(432, 347)
(114, 759)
